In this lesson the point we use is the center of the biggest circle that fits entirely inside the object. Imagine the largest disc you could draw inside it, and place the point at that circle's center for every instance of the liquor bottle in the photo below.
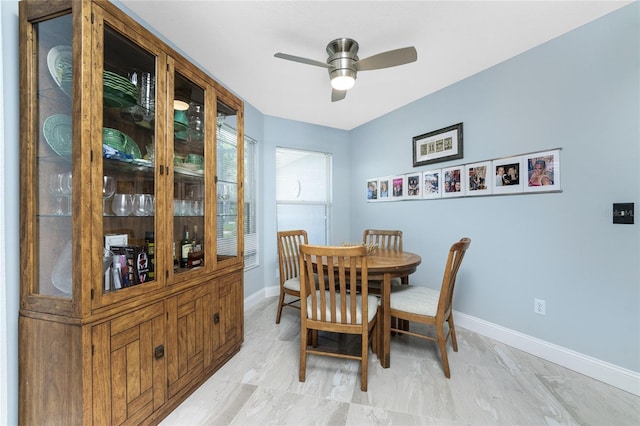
(196, 256)
(176, 263)
(185, 248)
(151, 253)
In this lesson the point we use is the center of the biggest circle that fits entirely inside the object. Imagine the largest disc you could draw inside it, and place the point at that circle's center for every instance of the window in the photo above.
(250, 203)
(303, 195)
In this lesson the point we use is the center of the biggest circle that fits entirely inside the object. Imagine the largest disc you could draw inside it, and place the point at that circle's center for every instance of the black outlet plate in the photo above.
(623, 213)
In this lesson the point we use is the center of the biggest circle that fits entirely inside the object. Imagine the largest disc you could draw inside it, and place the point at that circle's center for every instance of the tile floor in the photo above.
(491, 384)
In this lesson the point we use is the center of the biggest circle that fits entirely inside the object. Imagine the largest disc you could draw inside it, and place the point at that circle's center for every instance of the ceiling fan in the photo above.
(343, 63)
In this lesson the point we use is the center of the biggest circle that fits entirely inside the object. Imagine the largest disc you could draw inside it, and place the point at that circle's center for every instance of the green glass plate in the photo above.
(113, 98)
(131, 147)
(57, 132)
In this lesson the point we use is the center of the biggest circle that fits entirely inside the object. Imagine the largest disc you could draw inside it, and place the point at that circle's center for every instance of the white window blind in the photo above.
(227, 186)
(250, 202)
(303, 195)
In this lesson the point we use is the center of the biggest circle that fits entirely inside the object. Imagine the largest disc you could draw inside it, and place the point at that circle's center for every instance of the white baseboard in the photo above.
(610, 374)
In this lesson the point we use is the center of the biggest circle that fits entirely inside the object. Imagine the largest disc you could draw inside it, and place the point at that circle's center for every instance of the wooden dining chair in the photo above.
(337, 307)
(425, 305)
(390, 239)
(289, 243)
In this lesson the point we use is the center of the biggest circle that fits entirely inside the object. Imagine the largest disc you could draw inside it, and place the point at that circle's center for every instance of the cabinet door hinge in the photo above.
(93, 350)
(92, 17)
(215, 179)
(161, 169)
(166, 274)
(91, 156)
(92, 293)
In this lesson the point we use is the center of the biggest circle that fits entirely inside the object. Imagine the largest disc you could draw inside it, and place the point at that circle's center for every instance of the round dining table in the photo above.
(383, 265)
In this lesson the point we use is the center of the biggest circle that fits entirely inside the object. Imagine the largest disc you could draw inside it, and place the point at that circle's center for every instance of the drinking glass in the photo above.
(142, 204)
(108, 189)
(66, 181)
(55, 189)
(122, 204)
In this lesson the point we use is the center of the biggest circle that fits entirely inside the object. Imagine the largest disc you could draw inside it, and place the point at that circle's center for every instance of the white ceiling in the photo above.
(235, 42)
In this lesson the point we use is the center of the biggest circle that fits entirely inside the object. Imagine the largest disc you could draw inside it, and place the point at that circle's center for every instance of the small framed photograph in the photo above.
(414, 183)
(506, 175)
(478, 178)
(432, 184)
(384, 183)
(440, 145)
(543, 171)
(398, 187)
(453, 184)
(372, 189)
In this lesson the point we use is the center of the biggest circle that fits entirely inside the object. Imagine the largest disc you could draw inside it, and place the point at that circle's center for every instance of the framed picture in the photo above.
(414, 184)
(398, 184)
(453, 183)
(478, 178)
(372, 189)
(543, 171)
(432, 184)
(507, 175)
(384, 184)
(437, 146)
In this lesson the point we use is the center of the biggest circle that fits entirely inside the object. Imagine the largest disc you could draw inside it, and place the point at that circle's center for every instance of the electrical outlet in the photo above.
(539, 307)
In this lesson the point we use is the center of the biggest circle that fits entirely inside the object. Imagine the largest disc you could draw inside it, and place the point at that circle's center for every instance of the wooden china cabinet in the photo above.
(121, 315)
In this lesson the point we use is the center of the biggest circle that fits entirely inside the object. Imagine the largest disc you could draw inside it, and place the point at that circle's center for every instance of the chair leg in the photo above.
(303, 354)
(443, 349)
(280, 303)
(452, 331)
(364, 361)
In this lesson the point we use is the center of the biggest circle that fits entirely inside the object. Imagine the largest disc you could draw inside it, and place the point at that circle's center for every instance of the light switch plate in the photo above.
(623, 213)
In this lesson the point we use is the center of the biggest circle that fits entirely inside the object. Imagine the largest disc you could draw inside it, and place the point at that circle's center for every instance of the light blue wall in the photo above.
(579, 92)
(280, 132)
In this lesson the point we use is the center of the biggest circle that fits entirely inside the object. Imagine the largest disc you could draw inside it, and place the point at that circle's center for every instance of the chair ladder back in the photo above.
(341, 289)
(454, 260)
(387, 239)
(288, 249)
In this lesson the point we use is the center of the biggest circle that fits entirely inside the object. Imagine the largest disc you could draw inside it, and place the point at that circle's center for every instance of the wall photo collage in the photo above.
(527, 173)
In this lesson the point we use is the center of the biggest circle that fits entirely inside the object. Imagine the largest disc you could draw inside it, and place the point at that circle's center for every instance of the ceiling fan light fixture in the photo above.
(343, 82)
(343, 79)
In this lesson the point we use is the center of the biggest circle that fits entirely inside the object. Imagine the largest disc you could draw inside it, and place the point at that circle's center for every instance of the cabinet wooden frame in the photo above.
(79, 342)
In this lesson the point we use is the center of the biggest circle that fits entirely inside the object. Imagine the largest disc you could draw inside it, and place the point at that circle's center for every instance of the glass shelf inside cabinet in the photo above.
(128, 175)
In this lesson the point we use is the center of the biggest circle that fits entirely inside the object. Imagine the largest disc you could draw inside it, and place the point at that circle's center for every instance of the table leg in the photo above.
(385, 322)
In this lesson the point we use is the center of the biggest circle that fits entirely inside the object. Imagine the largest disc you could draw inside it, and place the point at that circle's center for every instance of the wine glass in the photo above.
(122, 204)
(108, 189)
(66, 183)
(142, 204)
(55, 189)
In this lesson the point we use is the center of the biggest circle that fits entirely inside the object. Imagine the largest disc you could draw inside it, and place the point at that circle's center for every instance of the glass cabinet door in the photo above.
(53, 186)
(190, 162)
(129, 186)
(227, 183)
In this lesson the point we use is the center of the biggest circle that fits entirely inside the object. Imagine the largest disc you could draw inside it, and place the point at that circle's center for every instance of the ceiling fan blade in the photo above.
(388, 59)
(302, 60)
(338, 95)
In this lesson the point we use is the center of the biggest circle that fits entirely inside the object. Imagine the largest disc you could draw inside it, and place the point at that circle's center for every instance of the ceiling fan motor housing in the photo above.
(342, 57)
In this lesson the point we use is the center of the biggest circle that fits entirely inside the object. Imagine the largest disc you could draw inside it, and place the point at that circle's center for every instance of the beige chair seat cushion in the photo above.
(372, 308)
(415, 299)
(292, 284)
